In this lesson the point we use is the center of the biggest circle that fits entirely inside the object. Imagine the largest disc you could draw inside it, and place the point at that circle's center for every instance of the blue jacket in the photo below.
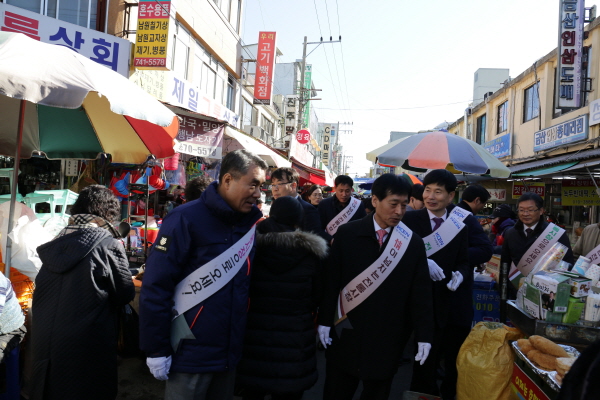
(196, 233)
(329, 208)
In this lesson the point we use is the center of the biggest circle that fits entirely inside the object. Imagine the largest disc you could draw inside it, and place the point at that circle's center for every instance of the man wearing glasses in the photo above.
(527, 234)
(284, 182)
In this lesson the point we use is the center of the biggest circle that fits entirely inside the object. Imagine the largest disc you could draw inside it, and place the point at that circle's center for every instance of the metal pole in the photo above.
(302, 88)
(14, 188)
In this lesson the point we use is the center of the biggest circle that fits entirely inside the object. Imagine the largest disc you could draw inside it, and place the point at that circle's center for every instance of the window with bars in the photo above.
(502, 117)
(531, 102)
(79, 12)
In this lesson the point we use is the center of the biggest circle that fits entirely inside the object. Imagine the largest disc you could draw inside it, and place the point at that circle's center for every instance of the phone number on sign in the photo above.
(150, 62)
(196, 150)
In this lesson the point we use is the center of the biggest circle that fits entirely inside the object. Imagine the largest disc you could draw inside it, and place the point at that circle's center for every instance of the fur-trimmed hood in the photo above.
(297, 240)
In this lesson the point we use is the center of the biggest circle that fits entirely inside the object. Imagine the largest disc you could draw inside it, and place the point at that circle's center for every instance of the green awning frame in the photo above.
(545, 171)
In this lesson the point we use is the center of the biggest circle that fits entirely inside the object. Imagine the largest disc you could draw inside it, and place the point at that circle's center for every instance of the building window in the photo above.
(503, 117)
(267, 125)
(247, 111)
(181, 52)
(78, 12)
(230, 101)
(480, 134)
(531, 102)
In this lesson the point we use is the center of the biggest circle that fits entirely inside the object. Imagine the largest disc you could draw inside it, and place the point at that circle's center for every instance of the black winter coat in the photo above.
(84, 278)
(279, 346)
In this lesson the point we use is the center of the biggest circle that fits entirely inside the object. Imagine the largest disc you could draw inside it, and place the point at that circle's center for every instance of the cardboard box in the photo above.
(580, 287)
(555, 290)
(492, 267)
(574, 311)
(532, 301)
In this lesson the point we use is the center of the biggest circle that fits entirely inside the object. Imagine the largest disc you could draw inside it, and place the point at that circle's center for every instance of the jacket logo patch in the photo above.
(163, 244)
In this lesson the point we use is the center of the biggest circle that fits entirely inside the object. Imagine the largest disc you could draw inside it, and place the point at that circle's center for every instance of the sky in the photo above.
(402, 65)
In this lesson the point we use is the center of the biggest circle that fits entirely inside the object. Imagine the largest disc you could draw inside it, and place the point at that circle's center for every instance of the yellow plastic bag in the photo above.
(485, 362)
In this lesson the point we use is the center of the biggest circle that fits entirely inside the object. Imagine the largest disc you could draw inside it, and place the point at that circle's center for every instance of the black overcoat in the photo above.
(84, 278)
(452, 257)
(373, 348)
(328, 209)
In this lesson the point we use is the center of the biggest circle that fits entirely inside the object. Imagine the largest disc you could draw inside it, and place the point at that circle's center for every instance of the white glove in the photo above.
(455, 282)
(435, 272)
(324, 335)
(159, 367)
(423, 352)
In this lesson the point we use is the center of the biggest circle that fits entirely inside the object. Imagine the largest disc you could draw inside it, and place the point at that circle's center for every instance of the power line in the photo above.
(342, 52)
(399, 108)
(337, 70)
(261, 15)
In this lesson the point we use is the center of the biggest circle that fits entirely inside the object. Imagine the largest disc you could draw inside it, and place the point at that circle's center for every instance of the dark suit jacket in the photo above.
(480, 251)
(311, 222)
(453, 257)
(328, 210)
(373, 348)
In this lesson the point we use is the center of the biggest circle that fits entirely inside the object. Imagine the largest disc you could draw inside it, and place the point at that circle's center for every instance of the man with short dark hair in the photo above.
(194, 300)
(378, 288)
(284, 182)
(340, 208)
(416, 198)
(474, 198)
(528, 234)
(443, 229)
(195, 187)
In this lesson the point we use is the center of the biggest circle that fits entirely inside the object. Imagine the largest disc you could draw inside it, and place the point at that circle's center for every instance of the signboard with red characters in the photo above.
(520, 188)
(303, 136)
(265, 60)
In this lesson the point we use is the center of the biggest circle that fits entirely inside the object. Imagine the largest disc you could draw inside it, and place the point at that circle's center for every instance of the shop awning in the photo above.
(308, 174)
(564, 158)
(584, 164)
(235, 139)
(546, 171)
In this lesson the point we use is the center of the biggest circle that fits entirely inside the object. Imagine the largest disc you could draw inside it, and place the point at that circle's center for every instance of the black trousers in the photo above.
(340, 385)
(423, 378)
(453, 339)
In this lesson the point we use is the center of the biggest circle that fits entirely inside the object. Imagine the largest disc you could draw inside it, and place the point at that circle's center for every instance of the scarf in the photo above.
(85, 221)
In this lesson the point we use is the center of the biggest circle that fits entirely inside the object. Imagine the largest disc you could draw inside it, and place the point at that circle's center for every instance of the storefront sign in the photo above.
(307, 95)
(570, 50)
(291, 114)
(571, 131)
(594, 112)
(303, 136)
(152, 34)
(265, 61)
(520, 188)
(326, 148)
(579, 192)
(199, 137)
(108, 50)
(500, 147)
(497, 194)
(524, 387)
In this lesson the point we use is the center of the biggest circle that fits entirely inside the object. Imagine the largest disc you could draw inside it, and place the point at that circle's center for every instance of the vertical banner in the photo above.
(265, 60)
(152, 35)
(326, 148)
(307, 95)
(570, 49)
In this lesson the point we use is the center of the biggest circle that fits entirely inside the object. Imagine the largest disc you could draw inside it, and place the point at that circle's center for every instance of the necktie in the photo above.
(380, 235)
(438, 222)
(528, 232)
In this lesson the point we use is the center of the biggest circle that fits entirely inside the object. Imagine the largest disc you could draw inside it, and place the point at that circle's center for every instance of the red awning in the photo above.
(309, 174)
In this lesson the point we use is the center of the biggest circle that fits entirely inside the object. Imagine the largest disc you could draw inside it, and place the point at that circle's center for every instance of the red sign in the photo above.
(497, 194)
(519, 188)
(265, 60)
(303, 136)
(524, 386)
(578, 182)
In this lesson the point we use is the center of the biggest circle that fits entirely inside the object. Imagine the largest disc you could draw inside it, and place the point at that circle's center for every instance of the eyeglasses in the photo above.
(317, 195)
(527, 212)
(279, 184)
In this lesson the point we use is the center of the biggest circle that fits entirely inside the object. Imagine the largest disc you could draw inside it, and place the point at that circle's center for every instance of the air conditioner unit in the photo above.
(468, 111)
(486, 97)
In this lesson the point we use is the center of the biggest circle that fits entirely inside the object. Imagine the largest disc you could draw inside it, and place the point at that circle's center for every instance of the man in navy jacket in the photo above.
(191, 236)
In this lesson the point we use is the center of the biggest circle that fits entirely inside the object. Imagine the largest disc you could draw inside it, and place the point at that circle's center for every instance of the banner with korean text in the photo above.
(579, 192)
(326, 148)
(199, 137)
(108, 50)
(152, 35)
(307, 95)
(520, 188)
(570, 52)
(265, 67)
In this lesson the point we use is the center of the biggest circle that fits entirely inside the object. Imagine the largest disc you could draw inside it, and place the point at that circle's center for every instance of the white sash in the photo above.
(212, 276)
(594, 255)
(547, 239)
(365, 284)
(344, 216)
(445, 233)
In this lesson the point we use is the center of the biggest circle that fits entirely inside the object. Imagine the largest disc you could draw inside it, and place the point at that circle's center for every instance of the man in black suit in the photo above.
(448, 262)
(377, 272)
(284, 182)
(331, 209)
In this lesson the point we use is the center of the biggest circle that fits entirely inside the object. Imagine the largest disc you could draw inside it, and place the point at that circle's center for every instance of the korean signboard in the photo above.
(519, 188)
(265, 61)
(579, 192)
(326, 148)
(200, 137)
(500, 147)
(523, 387)
(594, 112)
(570, 49)
(307, 95)
(571, 131)
(303, 136)
(291, 114)
(497, 194)
(108, 50)
(152, 35)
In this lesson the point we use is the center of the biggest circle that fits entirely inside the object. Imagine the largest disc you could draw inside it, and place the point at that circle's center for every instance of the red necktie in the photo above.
(380, 235)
